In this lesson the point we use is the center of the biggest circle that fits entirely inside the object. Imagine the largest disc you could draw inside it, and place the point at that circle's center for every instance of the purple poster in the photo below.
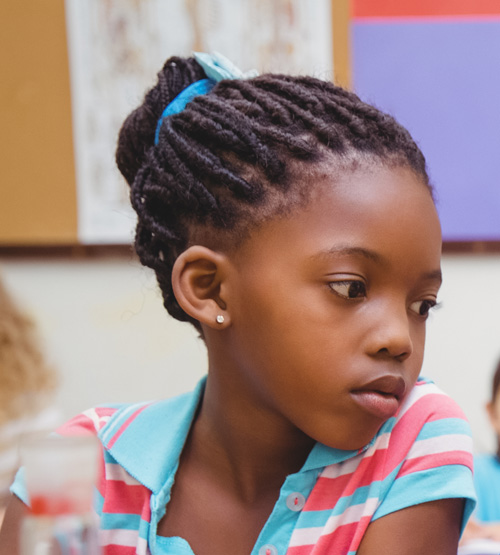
(441, 78)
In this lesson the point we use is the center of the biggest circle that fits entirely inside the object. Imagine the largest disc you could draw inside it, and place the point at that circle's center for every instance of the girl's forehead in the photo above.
(381, 209)
(363, 190)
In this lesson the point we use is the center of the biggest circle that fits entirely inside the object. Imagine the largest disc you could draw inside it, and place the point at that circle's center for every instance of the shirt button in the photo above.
(268, 549)
(295, 501)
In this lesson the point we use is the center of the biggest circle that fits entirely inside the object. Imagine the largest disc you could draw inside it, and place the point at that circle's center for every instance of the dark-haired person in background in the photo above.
(485, 523)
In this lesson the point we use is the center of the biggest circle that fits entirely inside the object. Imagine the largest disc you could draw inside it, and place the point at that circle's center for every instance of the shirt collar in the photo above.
(321, 455)
(150, 444)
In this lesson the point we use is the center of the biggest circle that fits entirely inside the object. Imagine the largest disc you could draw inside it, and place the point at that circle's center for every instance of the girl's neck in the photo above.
(250, 451)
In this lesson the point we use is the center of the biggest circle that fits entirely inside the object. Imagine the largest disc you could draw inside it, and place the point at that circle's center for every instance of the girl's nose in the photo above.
(391, 334)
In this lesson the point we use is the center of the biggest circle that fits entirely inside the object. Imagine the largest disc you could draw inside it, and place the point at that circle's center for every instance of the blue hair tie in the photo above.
(216, 67)
(179, 102)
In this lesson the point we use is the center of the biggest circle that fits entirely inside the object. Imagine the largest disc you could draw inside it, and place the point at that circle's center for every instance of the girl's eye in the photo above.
(422, 308)
(349, 289)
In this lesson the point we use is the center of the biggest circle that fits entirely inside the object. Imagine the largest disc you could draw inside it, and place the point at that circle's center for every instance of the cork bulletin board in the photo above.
(37, 187)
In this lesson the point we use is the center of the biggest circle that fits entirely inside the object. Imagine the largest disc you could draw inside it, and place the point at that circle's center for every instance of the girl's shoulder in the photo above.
(112, 419)
(93, 420)
(427, 401)
(430, 430)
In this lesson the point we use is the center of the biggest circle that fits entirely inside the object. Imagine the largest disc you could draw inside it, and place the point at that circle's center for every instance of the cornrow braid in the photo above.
(228, 160)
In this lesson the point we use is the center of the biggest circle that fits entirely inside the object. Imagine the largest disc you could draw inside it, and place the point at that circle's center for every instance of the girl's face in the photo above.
(328, 305)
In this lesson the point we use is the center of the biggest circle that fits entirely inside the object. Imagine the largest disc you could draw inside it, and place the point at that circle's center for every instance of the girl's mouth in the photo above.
(378, 403)
(381, 397)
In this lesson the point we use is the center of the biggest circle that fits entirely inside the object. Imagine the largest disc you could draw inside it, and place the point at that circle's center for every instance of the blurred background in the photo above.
(71, 71)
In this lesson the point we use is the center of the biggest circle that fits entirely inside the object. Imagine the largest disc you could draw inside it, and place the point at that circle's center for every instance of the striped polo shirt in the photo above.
(424, 453)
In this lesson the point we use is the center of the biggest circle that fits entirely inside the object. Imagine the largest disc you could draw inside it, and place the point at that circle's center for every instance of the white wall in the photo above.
(106, 331)
(463, 344)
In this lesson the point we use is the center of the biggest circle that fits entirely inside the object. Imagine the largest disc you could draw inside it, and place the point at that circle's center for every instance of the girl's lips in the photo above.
(382, 396)
(379, 404)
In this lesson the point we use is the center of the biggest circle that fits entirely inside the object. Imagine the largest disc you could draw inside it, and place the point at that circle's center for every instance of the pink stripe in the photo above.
(474, 18)
(105, 411)
(82, 424)
(118, 550)
(430, 408)
(78, 426)
(125, 425)
(360, 532)
(328, 491)
(370, 469)
(123, 498)
(146, 509)
(299, 550)
(434, 461)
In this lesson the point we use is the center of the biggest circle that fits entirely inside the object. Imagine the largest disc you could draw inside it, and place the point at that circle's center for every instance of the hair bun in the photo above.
(137, 133)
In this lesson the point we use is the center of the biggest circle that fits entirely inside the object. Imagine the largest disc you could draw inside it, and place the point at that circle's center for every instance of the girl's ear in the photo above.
(198, 282)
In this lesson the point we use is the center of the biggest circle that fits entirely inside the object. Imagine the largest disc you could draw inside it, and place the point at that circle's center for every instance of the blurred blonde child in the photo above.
(26, 385)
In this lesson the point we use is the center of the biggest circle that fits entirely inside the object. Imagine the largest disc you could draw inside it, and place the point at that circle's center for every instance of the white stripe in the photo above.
(416, 394)
(305, 536)
(97, 420)
(352, 514)
(349, 466)
(117, 536)
(119, 474)
(310, 536)
(142, 547)
(106, 436)
(440, 444)
(382, 442)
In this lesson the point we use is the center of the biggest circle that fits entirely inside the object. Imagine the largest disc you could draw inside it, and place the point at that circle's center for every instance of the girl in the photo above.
(294, 226)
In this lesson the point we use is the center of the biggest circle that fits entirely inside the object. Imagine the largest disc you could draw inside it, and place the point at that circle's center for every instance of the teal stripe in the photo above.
(444, 427)
(144, 529)
(116, 421)
(98, 502)
(445, 482)
(312, 519)
(122, 521)
(387, 426)
(109, 458)
(375, 490)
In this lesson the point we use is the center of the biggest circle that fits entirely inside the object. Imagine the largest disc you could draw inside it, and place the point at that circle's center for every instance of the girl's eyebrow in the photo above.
(350, 251)
(433, 275)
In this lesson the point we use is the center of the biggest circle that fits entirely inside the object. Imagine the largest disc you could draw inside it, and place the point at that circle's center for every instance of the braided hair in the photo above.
(232, 157)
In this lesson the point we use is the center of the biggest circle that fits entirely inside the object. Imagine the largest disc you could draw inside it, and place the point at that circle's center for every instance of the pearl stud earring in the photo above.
(219, 319)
